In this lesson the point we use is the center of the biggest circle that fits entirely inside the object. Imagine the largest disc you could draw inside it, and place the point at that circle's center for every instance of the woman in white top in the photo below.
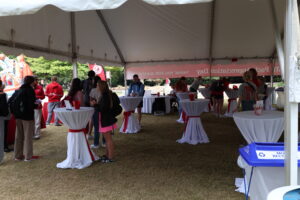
(95, 94)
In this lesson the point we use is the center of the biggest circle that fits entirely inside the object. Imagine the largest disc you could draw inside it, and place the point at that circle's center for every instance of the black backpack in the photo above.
(217, 86)
(16, 104)
(3, 105)
(117, 108)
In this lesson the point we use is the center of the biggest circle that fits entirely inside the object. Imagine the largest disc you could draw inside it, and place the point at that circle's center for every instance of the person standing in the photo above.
(137, 88)
(75, 92)
(54, 92)
(196, 83)
(39, 94)
(3, 113)
(87, 86)
(107, 119)
(24, 102)
(247, 93)
(95, 95)
(217, 94)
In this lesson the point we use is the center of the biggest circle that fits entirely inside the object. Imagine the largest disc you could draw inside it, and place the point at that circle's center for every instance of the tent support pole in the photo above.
(73, 45)
(112, 38)
(211, 41)
(290, 108)
(125, 80)
(278, 40)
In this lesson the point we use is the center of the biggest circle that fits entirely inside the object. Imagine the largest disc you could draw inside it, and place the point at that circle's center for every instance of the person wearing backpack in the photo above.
(54, 92)
(247, 93)
(3, 113)
(23, 104)
(108, 107)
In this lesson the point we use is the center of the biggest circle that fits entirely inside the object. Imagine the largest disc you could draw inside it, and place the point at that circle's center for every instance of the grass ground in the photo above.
(149, 165)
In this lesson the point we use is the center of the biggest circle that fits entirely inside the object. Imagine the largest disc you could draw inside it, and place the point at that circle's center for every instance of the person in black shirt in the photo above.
(25, 121)
(3, 113)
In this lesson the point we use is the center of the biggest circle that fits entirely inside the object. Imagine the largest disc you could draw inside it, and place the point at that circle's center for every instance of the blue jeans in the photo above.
(96, 129)
(51, 107)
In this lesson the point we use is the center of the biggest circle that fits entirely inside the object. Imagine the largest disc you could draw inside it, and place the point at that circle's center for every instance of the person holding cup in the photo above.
(136, 88)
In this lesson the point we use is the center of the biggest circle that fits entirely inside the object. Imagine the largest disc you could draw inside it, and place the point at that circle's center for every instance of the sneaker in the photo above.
(103, 145)
(57, 125)
(47, 124)
(104, 157)
(36, 137)
(32, 158)
(19, 159)
(107, 160)
(94, 146)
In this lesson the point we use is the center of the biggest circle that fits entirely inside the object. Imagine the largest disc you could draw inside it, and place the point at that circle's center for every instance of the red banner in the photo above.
(203, 69)
(99, 70)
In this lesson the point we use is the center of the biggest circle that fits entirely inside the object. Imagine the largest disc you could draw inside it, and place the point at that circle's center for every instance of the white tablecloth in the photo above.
(79, 154)
(232, 101)
(268, 101)
(148, 102)
(267, 127)
(206, 93)
(129, 104)
(194, 132)
(182, 96)
(264, 179)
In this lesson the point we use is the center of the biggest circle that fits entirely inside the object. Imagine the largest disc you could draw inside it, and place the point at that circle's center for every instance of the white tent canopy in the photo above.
(138, 33)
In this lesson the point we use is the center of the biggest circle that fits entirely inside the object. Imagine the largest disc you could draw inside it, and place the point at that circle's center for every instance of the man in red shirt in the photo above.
(39, 94)
(54, 92)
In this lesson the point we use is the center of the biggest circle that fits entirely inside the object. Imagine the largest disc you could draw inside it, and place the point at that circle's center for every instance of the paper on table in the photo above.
(68, 105)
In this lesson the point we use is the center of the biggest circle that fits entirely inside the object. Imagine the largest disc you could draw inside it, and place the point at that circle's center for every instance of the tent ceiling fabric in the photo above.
(143, 32)
(17, 7)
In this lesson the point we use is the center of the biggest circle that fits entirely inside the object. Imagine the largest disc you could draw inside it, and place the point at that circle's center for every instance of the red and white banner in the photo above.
(202, 69)
(99, 70)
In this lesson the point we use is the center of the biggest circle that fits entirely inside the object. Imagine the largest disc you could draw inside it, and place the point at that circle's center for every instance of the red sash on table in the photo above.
(229, 103)
(187, 120)
(83, 130)
(126, 117)
(183, 116)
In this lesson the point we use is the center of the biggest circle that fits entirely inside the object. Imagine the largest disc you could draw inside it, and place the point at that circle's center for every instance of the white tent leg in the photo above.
(290, 109)
(75, 68)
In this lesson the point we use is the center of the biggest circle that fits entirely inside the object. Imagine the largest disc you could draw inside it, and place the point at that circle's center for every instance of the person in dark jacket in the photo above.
(107, 120)
(3, 113)
(87, 86)
(25, 122)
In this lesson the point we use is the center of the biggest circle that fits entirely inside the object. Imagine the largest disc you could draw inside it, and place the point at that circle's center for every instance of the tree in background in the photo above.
(117, 75)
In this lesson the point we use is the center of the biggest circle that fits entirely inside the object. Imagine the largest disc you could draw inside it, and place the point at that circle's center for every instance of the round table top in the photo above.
(195, 101)
(75, 119)
(155, 96)
(195, 107)
(82, 109)
(130, 103)
(264, 116)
